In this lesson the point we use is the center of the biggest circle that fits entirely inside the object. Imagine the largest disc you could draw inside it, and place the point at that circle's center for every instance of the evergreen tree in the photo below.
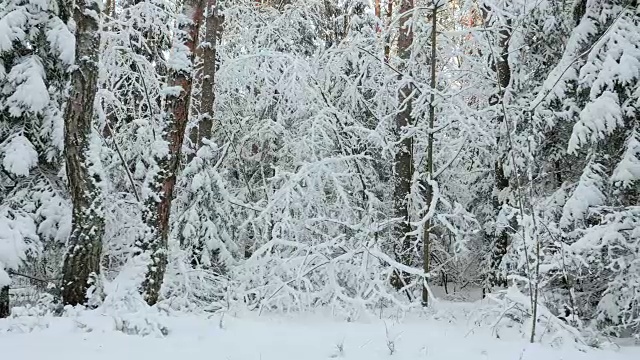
(36, 50)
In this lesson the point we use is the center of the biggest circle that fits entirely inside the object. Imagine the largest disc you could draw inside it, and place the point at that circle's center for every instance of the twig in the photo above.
(124, 163)
(144, 86)
(15, 273)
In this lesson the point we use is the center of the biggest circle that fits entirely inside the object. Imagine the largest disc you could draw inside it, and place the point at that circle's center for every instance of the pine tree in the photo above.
(36, 50)
(84, 248)
(167, 158)
(594, 91)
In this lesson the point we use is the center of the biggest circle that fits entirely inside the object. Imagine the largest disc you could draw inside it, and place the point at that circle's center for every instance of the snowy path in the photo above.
(277, 338)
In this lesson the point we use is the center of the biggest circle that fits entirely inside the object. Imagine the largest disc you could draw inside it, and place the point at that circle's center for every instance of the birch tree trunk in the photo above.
(403, 164)
(82, 259)
(158, 203)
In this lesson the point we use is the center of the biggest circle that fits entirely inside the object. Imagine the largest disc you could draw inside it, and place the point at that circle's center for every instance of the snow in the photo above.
(42, 4)
(15, 231)
(628, 169)
(20, 156)
(55, 213)
(172, 91)
(445, 334)
(11, 29)
(600, 117)
(30, 92)
(180, 59)
(307, 185)
(62, 40)
(586, 195)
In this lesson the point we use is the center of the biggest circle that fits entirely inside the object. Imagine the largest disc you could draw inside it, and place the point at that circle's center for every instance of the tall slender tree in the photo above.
(158, 201)
(499, 61)
(403, 161)
(202, 131)
(426, 238)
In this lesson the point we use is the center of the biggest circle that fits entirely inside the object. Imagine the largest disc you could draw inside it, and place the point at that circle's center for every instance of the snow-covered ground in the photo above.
(448, 333)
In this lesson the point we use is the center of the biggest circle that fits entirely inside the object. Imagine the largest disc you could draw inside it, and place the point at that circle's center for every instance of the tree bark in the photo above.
(5, 309)
(158, 208)
(501, 65)
(82, 259)
(579, 9)
(213, 32)
(403, 164)
(213, 22)
(426, 238)
(387, 46)
(110, 8)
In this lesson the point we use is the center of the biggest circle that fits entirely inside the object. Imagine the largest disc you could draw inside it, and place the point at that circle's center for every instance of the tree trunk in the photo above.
(579, 9)
(500, 238)
(387, 46)
(110, 8)
(426, 238)
(503, 72)
(5, 309)
(403, 165)
(158, 208)
(213, 31)
(213, 22)
(206, 51)
(82, 260)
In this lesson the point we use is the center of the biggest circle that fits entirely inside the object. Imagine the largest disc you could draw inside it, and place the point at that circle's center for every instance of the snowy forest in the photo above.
(365, 157)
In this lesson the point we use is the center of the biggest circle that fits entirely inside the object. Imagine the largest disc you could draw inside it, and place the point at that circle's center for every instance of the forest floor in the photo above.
(448, 333)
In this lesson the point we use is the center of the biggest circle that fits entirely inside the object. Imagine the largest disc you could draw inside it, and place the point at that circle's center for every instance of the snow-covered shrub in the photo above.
(26, 319)
(17, 234)
(142, 323)
(125, 304)
(511, 309)
(286, 207)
